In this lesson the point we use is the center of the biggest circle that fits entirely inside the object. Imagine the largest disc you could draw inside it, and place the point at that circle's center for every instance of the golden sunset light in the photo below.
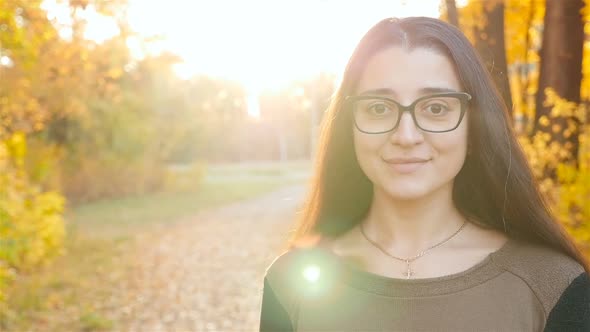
(265, 44)
(262, 44)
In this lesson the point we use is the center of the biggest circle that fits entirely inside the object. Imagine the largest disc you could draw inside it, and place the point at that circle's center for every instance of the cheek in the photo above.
(366, 146)
(367, 150)
(453, 147)
(359, 148)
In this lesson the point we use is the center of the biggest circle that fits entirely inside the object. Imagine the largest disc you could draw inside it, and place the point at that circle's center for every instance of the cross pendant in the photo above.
(409, 272)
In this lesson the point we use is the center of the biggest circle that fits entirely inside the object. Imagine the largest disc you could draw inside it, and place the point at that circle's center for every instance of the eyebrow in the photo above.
(388, 91)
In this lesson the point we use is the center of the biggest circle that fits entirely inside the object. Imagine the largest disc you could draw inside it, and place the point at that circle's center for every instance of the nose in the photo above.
(407, 133)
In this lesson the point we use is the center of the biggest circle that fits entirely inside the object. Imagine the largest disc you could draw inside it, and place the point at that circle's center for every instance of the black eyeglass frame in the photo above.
(463, 97)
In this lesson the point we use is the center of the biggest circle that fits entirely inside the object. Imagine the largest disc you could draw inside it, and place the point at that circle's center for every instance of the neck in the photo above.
(410, 226)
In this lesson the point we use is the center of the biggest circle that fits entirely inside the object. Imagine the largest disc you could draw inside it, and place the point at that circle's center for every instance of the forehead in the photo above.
(408, 73)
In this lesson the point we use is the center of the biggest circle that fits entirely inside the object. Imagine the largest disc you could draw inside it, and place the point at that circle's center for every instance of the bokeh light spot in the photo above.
(312, 273)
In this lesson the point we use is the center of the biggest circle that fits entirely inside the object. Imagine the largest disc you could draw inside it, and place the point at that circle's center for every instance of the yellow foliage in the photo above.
(561, 107)
(569, 193)
(471, 18)
(572, 207)
(523, 21)
(31, 224)
(42, 164)
(585, 87)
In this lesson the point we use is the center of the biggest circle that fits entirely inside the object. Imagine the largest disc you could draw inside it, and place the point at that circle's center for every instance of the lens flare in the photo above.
(311, 273)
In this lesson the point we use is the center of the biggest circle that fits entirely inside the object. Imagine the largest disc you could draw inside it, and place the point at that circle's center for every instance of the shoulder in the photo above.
(281, 267)
(548, 272)
(535, 261)
(572, 310)
(292, 263)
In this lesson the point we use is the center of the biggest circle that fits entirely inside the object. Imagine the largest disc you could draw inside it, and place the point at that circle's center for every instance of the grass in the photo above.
(69, 294)
(223, 183)
(74, 292)
(136, 212)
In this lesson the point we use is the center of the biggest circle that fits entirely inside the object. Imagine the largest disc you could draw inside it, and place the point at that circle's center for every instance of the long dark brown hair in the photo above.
(495, 186)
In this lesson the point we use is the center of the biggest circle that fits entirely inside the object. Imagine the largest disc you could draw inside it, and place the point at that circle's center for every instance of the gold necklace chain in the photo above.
(409, 271)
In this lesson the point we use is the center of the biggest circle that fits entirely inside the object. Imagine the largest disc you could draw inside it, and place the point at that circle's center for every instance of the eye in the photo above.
(378, 108)
(436, 108)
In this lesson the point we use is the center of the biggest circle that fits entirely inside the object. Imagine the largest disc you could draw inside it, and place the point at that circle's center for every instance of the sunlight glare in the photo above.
(461, 3)
(135, 47)
(98, 28)
(182, 70)
(59, 14)
(312, 273)
(253, 105)
(5, 61)
(265, 44)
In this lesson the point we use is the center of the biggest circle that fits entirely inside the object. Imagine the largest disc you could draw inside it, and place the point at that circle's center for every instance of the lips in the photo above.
(405, 160)
(406, 165)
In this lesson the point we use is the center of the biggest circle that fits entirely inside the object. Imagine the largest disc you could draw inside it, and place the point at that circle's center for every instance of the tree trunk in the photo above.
(490, 44)
(452, 12)
(561, 69)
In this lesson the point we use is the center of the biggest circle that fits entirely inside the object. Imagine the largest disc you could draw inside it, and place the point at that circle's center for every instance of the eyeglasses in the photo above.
(436, 113)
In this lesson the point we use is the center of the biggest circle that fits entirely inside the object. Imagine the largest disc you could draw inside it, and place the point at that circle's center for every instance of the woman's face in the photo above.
(408, 163)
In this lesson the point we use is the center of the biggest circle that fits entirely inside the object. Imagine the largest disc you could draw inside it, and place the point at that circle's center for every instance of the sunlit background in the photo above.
(262, 44)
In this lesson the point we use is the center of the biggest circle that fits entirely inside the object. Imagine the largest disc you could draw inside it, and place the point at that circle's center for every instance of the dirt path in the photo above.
(206, 273)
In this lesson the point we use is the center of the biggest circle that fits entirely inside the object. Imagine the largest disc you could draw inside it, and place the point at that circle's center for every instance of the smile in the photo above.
(406, 165)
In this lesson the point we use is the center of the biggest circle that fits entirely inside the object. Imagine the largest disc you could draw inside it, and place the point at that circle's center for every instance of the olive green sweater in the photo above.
(520, 287)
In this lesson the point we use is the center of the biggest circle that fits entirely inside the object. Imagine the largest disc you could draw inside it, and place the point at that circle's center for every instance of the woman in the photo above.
(423, 214)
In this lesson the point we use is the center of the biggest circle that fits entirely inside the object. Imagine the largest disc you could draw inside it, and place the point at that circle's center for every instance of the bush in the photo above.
(573, 194)
(92, 178)
(568, 192)
(184, 179)
(31, 224)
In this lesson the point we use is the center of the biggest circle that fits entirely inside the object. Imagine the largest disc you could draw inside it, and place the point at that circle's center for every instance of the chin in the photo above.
(406, 192)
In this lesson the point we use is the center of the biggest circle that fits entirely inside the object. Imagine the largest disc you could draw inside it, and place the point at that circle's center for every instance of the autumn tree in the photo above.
(25, 30)
(31, 224)
(452, 14)
(489, 42)
(561, 70)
